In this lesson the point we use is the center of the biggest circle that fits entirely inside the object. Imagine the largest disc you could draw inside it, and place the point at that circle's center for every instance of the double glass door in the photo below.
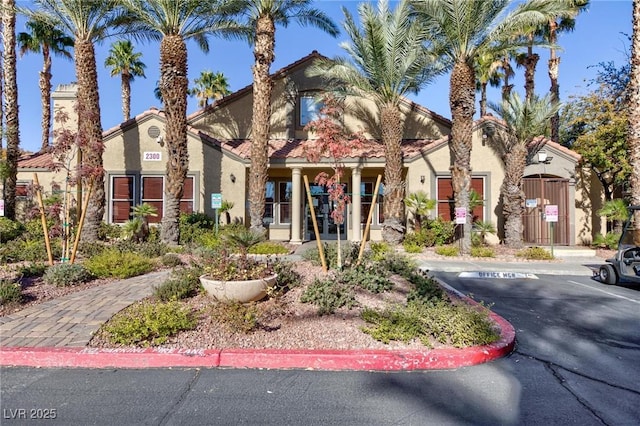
(323, 208)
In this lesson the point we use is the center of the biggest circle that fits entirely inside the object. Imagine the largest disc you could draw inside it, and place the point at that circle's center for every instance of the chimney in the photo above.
(64, 101)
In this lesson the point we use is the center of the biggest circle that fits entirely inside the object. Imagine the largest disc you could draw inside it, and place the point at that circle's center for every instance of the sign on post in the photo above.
(551, 213)
(461, 215)
(216, 201)
(1, 207)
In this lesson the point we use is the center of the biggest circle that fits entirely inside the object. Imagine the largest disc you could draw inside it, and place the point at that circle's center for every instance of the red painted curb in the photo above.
(376, 360)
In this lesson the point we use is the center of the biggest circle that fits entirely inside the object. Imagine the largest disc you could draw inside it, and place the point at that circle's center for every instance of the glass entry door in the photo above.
(323, 207)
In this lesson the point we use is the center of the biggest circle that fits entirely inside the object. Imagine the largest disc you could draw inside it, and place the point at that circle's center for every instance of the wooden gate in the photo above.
(546, 191)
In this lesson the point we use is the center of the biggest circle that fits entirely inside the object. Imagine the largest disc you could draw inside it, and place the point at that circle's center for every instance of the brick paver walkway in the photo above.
(71, 320)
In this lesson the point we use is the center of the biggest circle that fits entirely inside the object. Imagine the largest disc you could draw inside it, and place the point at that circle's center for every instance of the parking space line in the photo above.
(605, 292)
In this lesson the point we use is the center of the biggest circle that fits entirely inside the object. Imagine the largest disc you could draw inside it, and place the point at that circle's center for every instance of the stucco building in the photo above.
(219, 163)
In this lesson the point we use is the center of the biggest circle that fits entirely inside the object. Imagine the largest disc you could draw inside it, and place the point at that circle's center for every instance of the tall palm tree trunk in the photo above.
(392, 128)
(554, 65)
(513, 194)
(483, 99)
(125, 84)
(45, 98)
(262, 86)
(634, 116)
(462, 101)
(11, 106)
(90, 135)
(174, 84)
(530, 62)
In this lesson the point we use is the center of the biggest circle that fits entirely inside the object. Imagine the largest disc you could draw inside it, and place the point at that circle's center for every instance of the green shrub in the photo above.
(399, 264)
(10, 229)
(114, 263)
(28, 250)
(10, 292)
(443, 230)
(268, 247)
(610, 240)
(482, 251)
(426, 289)
(534, 253)
(109, 231)
(32, 270)
(380, 250)
(456, 325)
(371, 277)
(329, 295)
(90, 249)
(148, 323)
(411, 247)
(66, 274)
(288, 278)
(148, 249)
(447, 251)
(209, 239)
(171, 260)
(194, 225)
(239, 317)
(183, 283)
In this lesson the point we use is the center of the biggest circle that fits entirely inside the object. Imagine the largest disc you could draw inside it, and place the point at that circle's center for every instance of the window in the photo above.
(121, 198)
(366, 191)
(277, 206)
(153, 194)
(284, 202)
(446, 202)
(308, 108)
(187, 201)
(22, 189)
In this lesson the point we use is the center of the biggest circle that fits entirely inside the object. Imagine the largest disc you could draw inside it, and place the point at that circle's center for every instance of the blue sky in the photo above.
(598, 37)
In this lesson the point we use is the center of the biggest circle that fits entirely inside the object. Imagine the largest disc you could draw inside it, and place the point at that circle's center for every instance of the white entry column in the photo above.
(356, 205)
(296, 205)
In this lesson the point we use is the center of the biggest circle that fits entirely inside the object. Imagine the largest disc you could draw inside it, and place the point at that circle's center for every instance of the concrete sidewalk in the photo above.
(56, 333)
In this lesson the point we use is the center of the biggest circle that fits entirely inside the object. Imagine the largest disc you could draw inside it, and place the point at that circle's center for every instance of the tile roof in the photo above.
(295, 148)
(39, 160)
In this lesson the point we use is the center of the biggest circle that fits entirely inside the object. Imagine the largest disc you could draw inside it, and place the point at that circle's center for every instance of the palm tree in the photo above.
(209, 85)
(487, 75)
(172, 23)
(262, 16)
(387, 60)
(48, 40)
(616, 211)
(88, 22)
(420, 205)
(126, 63)
(564, 21)
(11, 128)
(462, 30)
(633, 136)
(525, 122)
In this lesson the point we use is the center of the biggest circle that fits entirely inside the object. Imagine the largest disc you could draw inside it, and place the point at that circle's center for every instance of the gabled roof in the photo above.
(39, 160)
(478, 124)
(314, 55)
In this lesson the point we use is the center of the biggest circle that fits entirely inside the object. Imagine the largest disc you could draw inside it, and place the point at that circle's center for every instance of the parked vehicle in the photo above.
(625, 265)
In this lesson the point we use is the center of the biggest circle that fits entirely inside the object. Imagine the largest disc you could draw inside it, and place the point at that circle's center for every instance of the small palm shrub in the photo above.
(66, 274)
(610, 240)
(114, 263)
(147, 323)
(447, 251)
(534, 253)
(10, 292)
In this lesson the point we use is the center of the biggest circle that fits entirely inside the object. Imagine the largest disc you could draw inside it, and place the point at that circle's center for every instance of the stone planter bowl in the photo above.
(238, 291)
